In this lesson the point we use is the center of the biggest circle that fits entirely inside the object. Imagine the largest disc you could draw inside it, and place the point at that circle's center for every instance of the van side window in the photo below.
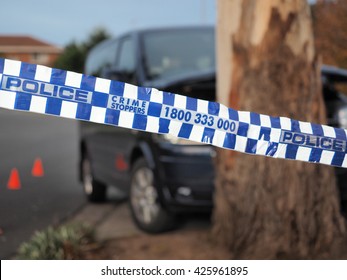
(126, 59)
(101, 58)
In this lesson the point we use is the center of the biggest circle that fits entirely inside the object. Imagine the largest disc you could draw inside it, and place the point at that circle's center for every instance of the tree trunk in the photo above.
(269, 208)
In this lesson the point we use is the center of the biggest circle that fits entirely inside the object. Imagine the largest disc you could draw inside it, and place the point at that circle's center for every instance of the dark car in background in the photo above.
(163, 175)
(334, 82)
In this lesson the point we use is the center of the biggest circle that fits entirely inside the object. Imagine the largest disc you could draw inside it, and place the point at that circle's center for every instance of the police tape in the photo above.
(40, 89)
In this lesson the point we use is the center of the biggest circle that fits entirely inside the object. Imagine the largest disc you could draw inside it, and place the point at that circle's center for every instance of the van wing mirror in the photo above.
(116, 74)
(113, 74)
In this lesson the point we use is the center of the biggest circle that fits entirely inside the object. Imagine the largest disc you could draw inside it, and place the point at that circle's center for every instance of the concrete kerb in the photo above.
(110, 220)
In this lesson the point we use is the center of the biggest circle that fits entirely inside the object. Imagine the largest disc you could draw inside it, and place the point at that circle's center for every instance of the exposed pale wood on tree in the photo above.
(272, 208)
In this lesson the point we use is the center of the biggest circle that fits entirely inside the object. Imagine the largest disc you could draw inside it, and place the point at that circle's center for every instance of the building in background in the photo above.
(28, 49)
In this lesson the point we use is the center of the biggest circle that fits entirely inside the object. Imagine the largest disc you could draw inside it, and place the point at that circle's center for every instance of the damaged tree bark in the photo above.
(272, 208)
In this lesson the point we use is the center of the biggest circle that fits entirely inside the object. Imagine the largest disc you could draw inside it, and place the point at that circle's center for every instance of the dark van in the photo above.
(163, 175)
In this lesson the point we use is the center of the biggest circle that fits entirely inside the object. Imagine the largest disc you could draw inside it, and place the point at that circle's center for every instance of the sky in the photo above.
(60, 22)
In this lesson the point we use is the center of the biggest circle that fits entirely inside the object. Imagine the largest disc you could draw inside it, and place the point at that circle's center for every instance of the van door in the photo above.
(110, 147)
(126, 60)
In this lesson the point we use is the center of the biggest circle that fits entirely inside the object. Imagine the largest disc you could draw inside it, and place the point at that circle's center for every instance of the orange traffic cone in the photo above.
(14, 181)
(37, 170)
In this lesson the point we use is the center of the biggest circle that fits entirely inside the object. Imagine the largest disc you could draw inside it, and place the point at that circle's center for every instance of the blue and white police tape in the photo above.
(45, 90)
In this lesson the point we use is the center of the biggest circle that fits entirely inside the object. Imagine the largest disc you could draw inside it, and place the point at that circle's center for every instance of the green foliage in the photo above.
(74, 54)
(64, 242)
(95, 37)
(72, 58)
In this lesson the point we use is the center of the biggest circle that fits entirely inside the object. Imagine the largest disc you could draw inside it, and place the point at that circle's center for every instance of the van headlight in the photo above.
(342, 117)
(179, 141)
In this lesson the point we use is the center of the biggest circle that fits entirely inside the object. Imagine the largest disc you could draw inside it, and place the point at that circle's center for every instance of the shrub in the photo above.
(64, 242)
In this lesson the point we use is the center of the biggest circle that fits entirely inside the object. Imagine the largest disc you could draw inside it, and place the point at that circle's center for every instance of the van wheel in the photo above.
(94, 191)
(146, 209)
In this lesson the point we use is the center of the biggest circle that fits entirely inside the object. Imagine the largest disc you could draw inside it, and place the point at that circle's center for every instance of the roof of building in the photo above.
(9, 43)
(21, 41)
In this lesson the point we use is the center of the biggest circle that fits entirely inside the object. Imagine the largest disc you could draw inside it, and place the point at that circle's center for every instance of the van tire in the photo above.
(146, 208)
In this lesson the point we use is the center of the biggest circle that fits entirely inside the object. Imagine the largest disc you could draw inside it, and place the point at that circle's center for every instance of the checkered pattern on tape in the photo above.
(256, 134)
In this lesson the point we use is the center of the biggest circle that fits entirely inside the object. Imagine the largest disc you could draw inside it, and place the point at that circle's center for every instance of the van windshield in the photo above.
(171, 53)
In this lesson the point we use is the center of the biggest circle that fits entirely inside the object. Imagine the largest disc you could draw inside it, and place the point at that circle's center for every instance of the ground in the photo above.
(118, 238)
(191, 244)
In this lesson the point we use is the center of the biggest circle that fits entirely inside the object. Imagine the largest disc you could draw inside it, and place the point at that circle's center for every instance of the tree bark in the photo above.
(272, 208)
(329, 25)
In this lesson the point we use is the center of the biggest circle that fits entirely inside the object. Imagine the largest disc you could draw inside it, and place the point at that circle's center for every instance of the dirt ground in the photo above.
(191, 244)
(117, 238)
